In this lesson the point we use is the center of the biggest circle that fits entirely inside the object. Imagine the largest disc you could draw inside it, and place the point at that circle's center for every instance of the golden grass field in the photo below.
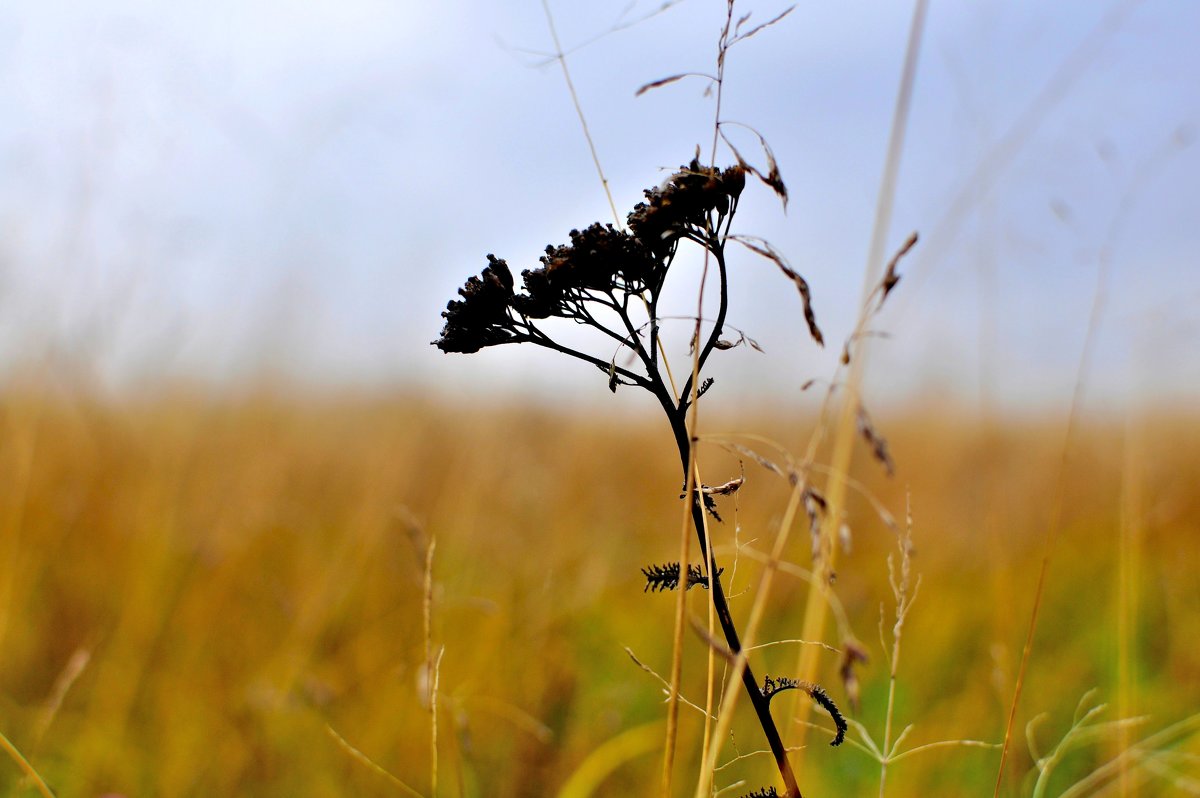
(196, 591)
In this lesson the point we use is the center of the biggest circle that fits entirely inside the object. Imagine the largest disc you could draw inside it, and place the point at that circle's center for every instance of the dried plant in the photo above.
(610, 280)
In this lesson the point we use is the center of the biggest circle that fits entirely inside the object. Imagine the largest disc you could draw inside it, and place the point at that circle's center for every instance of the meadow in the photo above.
(242, 595)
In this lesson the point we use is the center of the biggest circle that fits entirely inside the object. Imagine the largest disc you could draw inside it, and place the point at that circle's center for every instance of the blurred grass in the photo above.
(194, 588)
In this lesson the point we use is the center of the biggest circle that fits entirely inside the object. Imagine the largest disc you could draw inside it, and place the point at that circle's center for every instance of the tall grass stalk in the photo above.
(813, 627)
(900, 577)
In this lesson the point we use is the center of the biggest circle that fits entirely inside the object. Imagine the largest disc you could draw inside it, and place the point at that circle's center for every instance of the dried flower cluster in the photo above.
(601, 265)
(481, 317)
(611, 280)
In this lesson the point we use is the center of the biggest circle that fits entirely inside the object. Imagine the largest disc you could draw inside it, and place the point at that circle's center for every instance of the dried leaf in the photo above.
(878, 444)
(852, 654)
(772, 178)
(730, 487)
(789, 475)
(815, 506)
(654, 84)
(890, 278)
(761, 247)
(817, 498)
(724, 344)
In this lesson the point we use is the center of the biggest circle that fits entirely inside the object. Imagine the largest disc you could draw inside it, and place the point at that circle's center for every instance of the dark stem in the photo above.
(536, 336)
(760, 702)
(715, 246)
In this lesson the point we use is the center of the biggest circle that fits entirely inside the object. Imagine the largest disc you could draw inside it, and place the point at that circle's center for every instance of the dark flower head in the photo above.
(599, 258)
(733, 181)
(481, 318)
(598, 261)
(685, 200)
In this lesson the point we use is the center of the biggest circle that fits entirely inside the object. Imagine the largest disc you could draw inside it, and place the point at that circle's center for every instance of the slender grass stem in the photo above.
(561, 57)
(844, 433)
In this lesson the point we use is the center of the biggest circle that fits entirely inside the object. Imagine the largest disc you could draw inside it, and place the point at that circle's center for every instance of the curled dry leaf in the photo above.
(724, 344)
(773, 179)
(729, 488)
(761, 247)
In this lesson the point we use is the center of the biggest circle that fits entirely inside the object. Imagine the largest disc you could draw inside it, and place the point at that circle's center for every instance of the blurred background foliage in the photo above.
(196, 587)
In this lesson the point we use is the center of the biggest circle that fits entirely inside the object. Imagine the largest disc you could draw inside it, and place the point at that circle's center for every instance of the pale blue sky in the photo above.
(227, 189)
